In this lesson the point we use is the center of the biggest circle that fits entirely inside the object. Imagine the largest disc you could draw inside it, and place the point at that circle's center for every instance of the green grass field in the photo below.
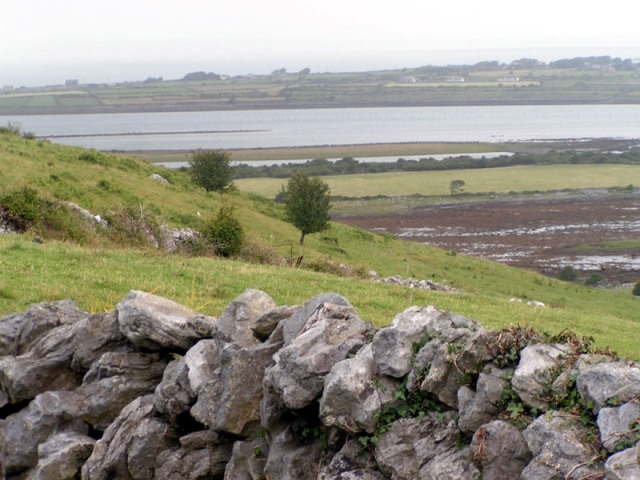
(97, 275)
(499, 180)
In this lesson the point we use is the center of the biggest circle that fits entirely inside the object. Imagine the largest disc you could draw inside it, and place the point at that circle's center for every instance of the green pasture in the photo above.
(98, 279)
(499, 180)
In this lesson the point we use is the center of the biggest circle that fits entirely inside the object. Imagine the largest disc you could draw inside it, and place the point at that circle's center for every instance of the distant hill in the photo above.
(581, 80)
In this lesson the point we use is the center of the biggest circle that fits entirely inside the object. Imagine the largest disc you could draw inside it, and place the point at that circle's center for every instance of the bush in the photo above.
(261, 254)
(568, 274)
(225, 233)
(22, 209)
(134, 224)
(636, 290)
(25, 210)
(594, 280)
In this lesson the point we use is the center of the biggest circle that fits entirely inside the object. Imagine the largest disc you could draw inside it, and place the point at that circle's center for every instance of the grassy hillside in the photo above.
(97, 276)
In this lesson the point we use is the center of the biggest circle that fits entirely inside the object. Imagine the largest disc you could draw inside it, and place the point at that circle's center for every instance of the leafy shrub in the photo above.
(134, 224)
(22, 208)
(330, 266)
(11, 128)
(88, 156)
(594, 280)
(225, 233)
(25, 210)
(261, 254)
(568, 274)
(636, 290)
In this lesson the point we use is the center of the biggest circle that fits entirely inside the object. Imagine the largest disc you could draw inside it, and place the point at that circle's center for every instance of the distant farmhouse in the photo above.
(72, 82)
(454, 79)
(509, 78)
(407, 79)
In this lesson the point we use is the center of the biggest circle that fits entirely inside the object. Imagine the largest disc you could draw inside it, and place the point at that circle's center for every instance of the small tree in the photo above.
(307, 203)
(456, 186)
(211, 169)
(225, 233)
(636, 290)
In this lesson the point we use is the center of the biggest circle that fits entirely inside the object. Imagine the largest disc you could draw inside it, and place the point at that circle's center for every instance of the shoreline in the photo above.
(392, 149)
(215, 107)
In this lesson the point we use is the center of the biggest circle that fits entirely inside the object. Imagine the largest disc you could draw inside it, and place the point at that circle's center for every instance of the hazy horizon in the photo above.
(113, 72)
(44, 42)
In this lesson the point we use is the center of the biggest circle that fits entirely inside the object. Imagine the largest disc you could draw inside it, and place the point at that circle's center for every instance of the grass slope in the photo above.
(98, 276)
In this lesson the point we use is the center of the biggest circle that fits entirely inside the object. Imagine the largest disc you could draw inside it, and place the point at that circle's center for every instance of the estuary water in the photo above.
(336, 126)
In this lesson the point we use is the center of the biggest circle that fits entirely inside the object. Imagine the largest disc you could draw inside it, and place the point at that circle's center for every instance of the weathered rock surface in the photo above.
(481, 406)
(354, 394)
(424, 449)
(330, 334)
(238, 320)
(623, 466)
(560, 447)
(200, 455)
(155, 323)
(500, 451)
(604, 381)
(62, 456)
(619, 425)
(130, 444)
(154, 390)
(539, 365)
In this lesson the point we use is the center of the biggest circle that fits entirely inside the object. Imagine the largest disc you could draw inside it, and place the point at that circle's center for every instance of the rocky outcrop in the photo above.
(154, 390)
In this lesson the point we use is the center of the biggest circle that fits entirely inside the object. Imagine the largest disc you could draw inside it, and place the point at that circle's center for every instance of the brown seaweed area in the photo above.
(545, 234)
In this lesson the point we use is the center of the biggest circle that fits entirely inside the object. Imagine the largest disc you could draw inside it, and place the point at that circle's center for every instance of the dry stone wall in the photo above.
(154, 390)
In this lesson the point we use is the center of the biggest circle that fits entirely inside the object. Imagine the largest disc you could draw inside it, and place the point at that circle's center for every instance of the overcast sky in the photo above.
(46, 42)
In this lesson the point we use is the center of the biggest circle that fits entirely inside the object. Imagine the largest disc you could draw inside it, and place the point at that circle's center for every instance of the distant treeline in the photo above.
(346, 166)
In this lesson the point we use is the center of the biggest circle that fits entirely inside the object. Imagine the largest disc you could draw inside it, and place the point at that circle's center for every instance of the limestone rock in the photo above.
(393, 347)
(267, 323)
(454, 464)
(114, 381)
(128, 449)
(40, 318)
(100, 333)
(236, 322)
(559, 446)
(45, 366)
(615, 424)
(155, 323)
(62, 456)
(604, 381)
(248, 460)
(537, 367)
(184, 378)
(352, 462)
(290, 459)
(623, 466)
(230, 400)
(500, 451)
(294, 325)
(412, 443)
(330, 335)
(24, 431)
(353, 395)
(201, 455)
(479, 407)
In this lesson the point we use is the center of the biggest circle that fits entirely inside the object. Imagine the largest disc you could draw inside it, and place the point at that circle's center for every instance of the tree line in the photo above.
(349, 165)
